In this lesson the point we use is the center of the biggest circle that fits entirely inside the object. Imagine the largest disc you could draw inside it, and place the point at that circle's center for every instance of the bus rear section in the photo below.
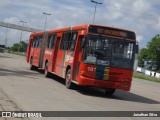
(35, 49)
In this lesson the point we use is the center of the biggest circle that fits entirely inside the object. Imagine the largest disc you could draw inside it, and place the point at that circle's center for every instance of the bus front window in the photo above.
(122, 54)
(106, 51)
(97, 50)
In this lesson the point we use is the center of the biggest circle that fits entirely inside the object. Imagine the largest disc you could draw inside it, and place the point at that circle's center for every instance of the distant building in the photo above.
(148, 72)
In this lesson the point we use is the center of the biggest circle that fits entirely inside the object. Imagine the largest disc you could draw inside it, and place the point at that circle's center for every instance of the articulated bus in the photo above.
(86, 55)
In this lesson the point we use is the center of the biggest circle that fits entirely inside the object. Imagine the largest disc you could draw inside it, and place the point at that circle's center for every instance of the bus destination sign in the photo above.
(112, 32)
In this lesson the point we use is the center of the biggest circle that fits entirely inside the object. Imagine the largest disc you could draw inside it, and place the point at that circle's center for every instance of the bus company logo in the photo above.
(48, 52)
(6, 114)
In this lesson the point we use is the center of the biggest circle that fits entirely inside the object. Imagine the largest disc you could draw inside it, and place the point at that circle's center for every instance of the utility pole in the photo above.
(6, 38)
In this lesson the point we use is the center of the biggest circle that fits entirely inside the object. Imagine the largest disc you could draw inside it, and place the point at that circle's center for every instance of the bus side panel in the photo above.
(31, 55)
(36, 54)
(48, 56)
(59, 63)
(50, 60)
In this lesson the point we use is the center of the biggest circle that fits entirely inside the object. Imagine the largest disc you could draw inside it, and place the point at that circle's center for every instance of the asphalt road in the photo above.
(31, 91)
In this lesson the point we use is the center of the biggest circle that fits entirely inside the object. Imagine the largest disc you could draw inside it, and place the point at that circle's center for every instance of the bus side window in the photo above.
(63, 37)
(39, 40)
(51, 41)
(34, 42)
(65, 41)
(82, 43)
(73, 41)
(37, 43)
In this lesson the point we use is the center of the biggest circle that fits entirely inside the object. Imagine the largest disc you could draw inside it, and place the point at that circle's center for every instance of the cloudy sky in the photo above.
(141, 16)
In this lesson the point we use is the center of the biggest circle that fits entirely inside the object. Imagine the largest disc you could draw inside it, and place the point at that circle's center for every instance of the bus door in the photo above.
(49, 51)
(61, 55)
(77, 53)
(55, 52)
(42, 49)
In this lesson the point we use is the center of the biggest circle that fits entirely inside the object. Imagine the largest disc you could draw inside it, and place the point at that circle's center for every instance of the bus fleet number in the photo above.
(91, 69)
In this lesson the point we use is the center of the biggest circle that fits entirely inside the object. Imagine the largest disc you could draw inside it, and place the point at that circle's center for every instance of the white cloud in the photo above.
(141, 6)
(157, 25)
(13, 20)
(140, 38)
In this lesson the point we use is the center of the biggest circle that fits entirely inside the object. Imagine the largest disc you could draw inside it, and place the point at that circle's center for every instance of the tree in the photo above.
(142, 57)
(154, 53)
(15, 47)
(21, 47)
(151, 55)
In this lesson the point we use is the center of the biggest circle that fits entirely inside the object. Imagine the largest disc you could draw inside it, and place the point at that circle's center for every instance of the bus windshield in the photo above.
(106, 51)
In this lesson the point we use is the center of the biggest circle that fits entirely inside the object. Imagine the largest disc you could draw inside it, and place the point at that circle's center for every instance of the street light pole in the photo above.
(95, 8)
(6, 38)
(45, 20)
(21, 34)
(21, 30)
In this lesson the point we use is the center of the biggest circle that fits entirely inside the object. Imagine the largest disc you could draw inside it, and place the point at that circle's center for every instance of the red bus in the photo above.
(86, 55)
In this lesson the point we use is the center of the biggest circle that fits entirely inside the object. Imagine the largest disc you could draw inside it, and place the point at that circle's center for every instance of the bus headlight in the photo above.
(83, 73)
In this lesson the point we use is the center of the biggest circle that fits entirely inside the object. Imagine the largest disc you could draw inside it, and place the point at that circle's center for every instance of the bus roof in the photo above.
(83, 26)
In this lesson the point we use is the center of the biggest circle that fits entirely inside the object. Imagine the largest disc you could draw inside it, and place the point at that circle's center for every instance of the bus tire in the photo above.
(46, 73)
(32, 67)
(109, 91)
(68, 81)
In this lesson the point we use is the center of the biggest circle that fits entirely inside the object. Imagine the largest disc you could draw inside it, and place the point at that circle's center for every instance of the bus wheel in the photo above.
(109, 91)
(68, 81)
(46, 73)
(32, 67)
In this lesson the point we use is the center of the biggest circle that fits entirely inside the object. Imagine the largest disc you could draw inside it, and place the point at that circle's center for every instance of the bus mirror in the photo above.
(82, 43)
(137, 49)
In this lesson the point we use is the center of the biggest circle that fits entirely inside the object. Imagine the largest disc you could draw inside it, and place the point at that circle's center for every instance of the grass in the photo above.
(17, 53)
(145, 77)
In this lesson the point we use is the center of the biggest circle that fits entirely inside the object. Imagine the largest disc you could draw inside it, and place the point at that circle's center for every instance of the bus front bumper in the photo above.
(85, 81)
